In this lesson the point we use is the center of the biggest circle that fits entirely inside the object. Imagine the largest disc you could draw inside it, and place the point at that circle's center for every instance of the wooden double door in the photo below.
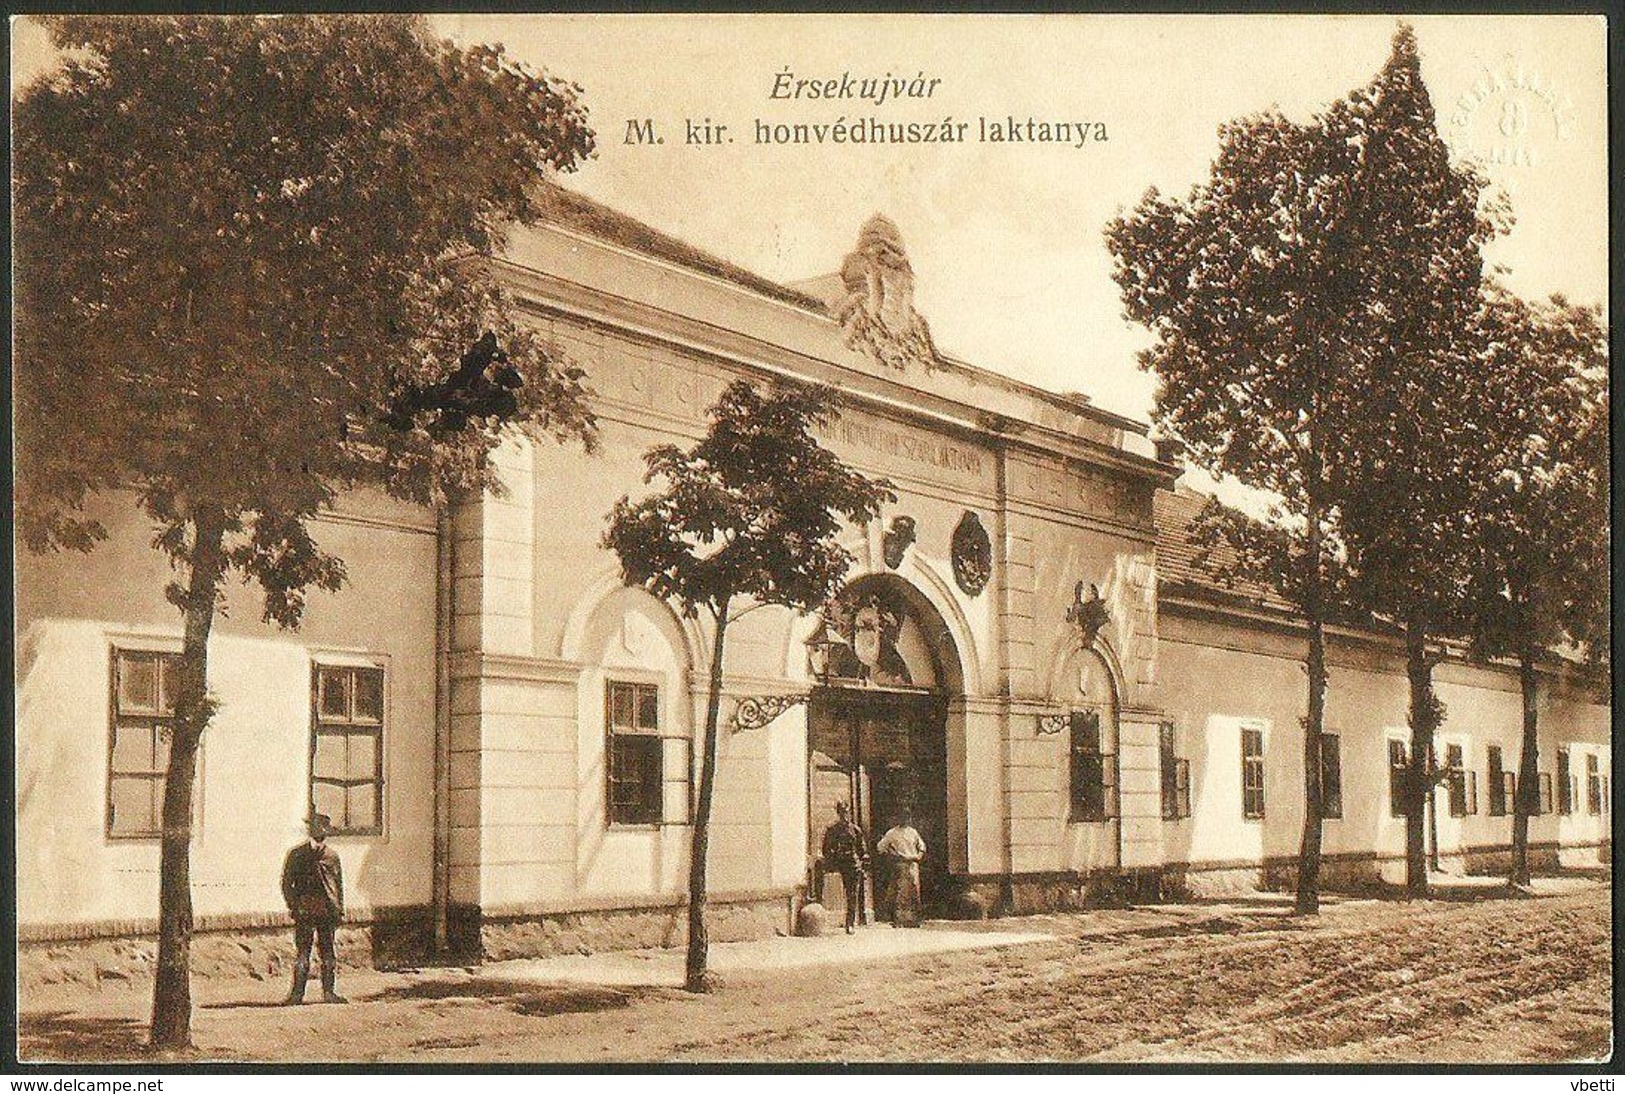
(882, 751)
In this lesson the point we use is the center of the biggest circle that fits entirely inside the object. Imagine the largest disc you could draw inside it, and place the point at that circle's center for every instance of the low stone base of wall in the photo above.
(1349, 875)
(1219, 884)
(1497, 862)
(260, 954)
(1034, 894)
(1588, 857)
(1037, 894)
(554, 934)
(398, 938)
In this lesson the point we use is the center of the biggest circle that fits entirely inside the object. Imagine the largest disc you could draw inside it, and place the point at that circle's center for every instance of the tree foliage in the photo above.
(1322, 266)
(752, 511)
(1402, 473)
(1539, 534)
(239, 240)
(252, 272)
(1541, 477)
(1249, 555)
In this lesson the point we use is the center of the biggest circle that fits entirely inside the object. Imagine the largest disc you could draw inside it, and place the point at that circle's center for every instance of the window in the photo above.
(1176, 776)
(1398, 765)
(347, 747)
(635, 753)
(1503, 785)
(1463, 783)
(1593, 785)
(144, 685)
(1331, 777)
(1545, 792)
(1252, 773)
(1565, 783)
(1093, 772)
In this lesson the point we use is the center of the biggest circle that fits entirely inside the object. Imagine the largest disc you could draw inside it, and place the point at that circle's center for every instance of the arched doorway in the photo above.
(885, 667)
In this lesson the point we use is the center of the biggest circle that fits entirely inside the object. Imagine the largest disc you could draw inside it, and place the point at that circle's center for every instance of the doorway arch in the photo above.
(877, 723)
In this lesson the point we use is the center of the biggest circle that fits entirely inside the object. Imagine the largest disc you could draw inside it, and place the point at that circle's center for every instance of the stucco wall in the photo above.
(1219, 677)
(541, 623)
(541, 558)
(73, 610)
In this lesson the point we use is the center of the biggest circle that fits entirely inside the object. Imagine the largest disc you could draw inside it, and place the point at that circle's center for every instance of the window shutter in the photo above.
(1075, 782)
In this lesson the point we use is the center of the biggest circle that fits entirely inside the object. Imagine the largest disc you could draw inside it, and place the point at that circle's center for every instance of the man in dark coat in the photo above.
(313, 887)
(844, 852)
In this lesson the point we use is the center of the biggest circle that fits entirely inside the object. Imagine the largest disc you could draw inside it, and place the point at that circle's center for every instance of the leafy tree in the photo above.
(250, 276)
(750, 512)
(1260, 286)
(1540, 534)
(1402, 474)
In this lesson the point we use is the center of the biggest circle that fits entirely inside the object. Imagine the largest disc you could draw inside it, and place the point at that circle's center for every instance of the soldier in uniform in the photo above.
(844, 851)
(313, 887)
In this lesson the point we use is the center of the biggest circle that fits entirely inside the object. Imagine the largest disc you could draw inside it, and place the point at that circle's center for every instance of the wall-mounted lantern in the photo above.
(818, 646)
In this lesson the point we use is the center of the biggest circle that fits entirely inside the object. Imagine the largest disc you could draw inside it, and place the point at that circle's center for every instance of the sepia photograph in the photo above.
(1062, 540)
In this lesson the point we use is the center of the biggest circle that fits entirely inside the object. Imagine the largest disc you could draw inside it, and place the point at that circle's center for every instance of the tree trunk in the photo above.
(1419, 788)
(696, 979)
(172, 988)
(1527, 799)
(1308, 898)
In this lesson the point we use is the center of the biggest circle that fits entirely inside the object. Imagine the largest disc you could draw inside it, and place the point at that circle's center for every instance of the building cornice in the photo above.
(554, 296)
(1190, 601)
(478, 665)
(757, 298)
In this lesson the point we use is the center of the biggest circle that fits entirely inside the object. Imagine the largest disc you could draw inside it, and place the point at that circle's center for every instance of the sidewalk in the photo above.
(1237, 979)
(664, 967)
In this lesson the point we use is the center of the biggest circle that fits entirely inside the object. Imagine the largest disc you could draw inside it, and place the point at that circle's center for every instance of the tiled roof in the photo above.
(1177, 566)
(571, 210)
(1178, 572)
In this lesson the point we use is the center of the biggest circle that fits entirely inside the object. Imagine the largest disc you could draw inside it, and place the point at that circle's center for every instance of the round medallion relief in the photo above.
(972, 554)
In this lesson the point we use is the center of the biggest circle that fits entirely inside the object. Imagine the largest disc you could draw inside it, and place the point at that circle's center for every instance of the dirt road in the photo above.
(1488, 980)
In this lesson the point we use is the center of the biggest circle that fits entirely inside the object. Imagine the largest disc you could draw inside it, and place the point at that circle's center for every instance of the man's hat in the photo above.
(320, 824)
(842, 807)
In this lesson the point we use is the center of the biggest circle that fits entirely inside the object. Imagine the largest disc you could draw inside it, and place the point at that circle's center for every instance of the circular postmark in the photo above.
(1511, 116)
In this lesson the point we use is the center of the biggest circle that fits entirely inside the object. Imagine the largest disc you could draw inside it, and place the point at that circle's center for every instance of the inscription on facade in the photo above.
(619, 372)
(913, 447)
(1085, 490)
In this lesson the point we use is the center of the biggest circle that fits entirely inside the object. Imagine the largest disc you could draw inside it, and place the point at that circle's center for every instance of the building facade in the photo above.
(1024, 659)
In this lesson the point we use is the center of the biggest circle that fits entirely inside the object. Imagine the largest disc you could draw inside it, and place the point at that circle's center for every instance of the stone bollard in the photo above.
(812, 921)
(968, 904)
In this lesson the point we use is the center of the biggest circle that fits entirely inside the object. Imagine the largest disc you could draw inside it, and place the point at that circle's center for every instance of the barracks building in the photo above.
(1025, 655)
